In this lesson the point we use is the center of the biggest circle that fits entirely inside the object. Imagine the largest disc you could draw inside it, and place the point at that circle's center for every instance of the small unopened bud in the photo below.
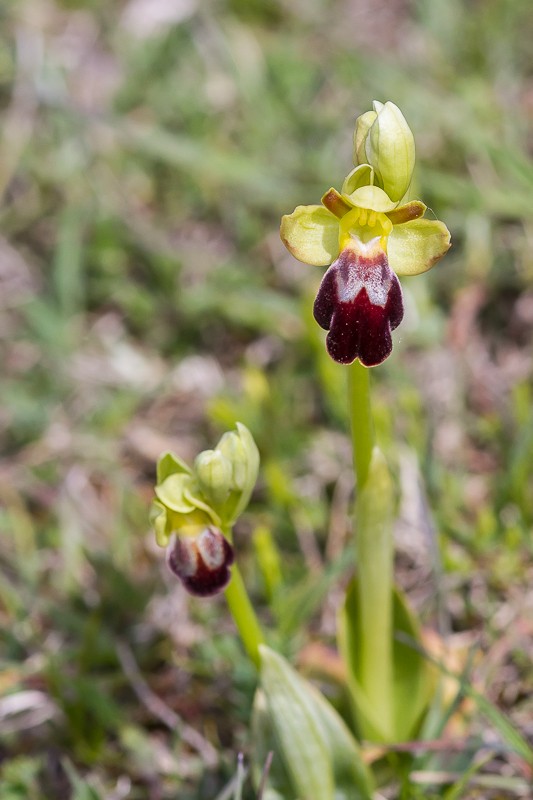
(362, 126)
(201, 562)
(214, 473)
(240, 450)
(233, 449)
(384, 140)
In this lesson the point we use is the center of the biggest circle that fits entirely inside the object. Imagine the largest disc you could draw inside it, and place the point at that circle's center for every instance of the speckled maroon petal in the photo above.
(395, 303)
(326, 300)
(360, 330)
(202, 562)
(359, 301)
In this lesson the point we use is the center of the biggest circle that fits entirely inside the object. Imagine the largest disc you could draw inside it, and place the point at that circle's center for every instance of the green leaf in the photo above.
(352, 777)
(413, 680)
(264, 740)
(367, 720)
(300, 741)
(321, 759)
(367, 616)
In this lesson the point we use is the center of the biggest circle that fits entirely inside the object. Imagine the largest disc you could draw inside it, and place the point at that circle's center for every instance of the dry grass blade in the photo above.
(264, 776)
(160, 710)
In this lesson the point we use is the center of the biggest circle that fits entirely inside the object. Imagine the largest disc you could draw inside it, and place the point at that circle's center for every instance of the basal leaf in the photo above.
(321, 759)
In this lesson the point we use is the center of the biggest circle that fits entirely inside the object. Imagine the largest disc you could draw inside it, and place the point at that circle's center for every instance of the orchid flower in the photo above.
(194, 509)
(370, 235)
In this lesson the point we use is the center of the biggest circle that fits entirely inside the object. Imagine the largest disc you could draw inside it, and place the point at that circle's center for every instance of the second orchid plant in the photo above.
(367, 235)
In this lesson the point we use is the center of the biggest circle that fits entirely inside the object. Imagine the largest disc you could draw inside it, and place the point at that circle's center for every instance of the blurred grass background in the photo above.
(148, 149)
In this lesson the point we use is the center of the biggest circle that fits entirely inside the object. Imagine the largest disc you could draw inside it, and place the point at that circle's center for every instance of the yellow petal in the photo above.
(158, 518)
(373, 198)
(171, 493)
(311, 234)
(416, 246)
(363, 175)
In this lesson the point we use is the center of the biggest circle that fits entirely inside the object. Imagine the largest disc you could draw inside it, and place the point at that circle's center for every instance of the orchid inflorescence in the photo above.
(369, 233)
(195, 509)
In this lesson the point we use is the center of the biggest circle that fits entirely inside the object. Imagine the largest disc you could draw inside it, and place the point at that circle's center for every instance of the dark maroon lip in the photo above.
(202, 562)
(359, 303)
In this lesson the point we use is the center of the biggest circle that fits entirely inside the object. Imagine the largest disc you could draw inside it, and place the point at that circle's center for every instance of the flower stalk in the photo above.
(243, 614)
(374, 553)
(361, 424)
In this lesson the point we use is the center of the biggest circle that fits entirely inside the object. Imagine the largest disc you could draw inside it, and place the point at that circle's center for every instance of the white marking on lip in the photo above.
(363, 265)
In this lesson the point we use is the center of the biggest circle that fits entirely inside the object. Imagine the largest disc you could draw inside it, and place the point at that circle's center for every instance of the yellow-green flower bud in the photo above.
(179, 503)
(239, 448)
(214, 474)
(384, 140)
(362, 126)
(214, 493)
(232, 448)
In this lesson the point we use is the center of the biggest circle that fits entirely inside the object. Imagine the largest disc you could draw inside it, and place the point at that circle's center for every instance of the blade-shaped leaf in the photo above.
(413, 677)
(367, 624)
(320, 755)
(279, 784)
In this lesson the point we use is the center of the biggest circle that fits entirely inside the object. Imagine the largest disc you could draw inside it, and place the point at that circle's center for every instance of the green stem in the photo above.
(243, 613)
(360, 420)
(374, 553)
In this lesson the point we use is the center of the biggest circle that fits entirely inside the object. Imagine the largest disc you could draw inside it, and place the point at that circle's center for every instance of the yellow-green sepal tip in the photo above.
(388, 145)
(415, 247)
